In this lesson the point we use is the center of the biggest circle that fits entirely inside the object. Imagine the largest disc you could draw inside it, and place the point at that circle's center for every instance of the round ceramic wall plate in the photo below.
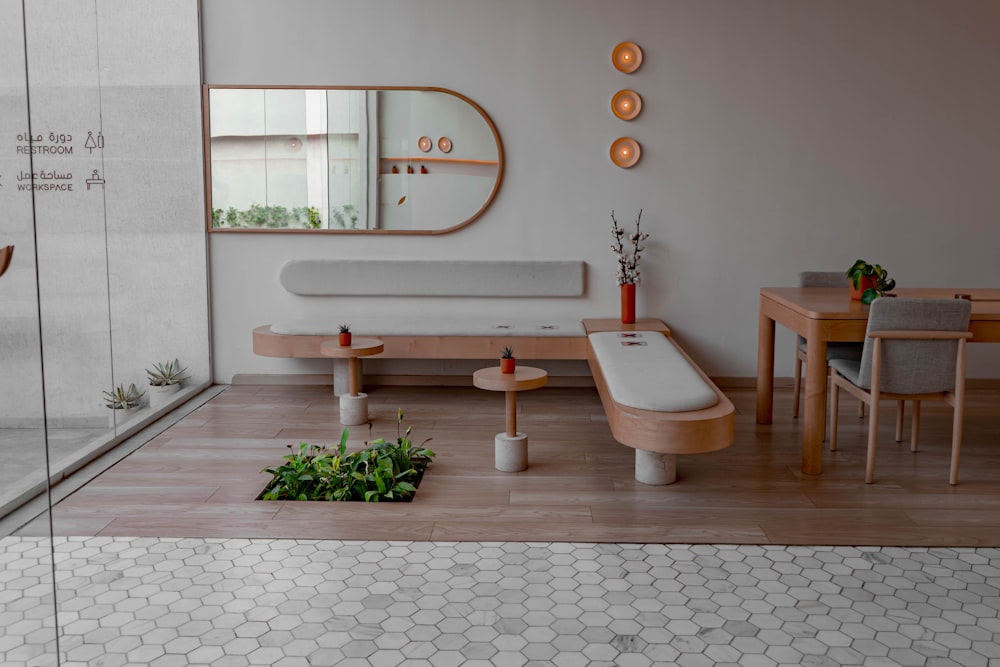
(627, 57)
(424, 143)
(444, 144)
(625, 152)
(626, 104)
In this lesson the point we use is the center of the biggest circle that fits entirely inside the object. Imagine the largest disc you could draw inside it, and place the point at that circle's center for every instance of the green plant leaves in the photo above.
(378, 472)
(883, 284)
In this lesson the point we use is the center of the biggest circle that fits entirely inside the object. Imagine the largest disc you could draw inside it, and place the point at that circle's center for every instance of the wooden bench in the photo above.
(427, 337)
(658, 430)
(657, 399)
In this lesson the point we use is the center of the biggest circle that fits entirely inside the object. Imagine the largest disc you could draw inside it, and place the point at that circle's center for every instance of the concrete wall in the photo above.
(778, 136)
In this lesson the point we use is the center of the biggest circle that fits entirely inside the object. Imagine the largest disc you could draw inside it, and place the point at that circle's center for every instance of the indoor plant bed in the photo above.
(381, 472)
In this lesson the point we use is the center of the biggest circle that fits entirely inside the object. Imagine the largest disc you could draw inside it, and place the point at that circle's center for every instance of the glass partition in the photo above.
(104, 305)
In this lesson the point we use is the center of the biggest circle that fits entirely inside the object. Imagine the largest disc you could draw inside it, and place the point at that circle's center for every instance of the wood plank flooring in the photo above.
(200, 477)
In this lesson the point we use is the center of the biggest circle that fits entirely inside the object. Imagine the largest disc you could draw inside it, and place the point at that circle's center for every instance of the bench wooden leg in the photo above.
(655, 468)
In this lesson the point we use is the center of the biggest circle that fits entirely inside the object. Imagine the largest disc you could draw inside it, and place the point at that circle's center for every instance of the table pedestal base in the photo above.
(353, 409)
(511, 452)
(655, 468)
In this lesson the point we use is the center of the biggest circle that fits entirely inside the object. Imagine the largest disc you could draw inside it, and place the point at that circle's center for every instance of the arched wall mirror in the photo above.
(348, 160)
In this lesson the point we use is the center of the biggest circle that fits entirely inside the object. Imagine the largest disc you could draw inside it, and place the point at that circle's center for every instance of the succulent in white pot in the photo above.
(165, 380)
(124, 399)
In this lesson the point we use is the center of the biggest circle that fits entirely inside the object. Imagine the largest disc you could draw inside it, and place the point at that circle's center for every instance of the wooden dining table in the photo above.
(822, 315)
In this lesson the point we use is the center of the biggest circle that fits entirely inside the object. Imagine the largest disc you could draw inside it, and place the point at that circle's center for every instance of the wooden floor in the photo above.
(200, 477)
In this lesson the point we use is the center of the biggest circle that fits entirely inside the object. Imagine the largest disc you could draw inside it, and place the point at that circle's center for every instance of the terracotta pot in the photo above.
(628, 303)
(865, 283)
(344, 339)
(507, 365)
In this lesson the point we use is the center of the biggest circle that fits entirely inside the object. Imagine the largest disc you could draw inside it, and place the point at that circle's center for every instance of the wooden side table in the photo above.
(353, 404)
(511, 447)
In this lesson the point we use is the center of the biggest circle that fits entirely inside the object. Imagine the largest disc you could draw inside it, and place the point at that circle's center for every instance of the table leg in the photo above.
(511, 401)
(814, 424)
(765, 368)
(354, 376)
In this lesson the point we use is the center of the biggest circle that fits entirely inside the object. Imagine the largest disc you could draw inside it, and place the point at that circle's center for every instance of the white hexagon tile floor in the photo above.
(165, 602)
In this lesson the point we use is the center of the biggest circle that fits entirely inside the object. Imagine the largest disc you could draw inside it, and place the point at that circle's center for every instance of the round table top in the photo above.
(522, 379)
(359, 347)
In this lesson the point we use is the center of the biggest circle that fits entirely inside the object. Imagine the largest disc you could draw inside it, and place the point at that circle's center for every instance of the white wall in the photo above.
(777, 135)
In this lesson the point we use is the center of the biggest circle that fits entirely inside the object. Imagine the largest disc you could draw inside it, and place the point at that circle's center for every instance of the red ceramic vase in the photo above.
(507, 365)
(865, 283)
(628, 303)
(344, 339)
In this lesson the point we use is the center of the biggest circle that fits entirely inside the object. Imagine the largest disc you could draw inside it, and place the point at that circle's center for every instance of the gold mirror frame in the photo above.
(207, 139)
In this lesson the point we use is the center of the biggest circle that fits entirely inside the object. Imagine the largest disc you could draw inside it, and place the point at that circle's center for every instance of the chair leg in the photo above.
(915, 428)
(796, 384)
(872, 441)
(900, 408)
(834, 411)
(956, 443)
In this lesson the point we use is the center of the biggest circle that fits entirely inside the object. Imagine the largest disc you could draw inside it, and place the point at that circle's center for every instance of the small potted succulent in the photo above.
(165, 379)
(868, 281)
(124, 399)
(344, 337)
(507, 361)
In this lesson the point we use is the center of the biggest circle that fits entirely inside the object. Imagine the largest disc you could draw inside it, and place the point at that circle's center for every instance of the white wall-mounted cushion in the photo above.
(419, 277)
(438, 326)
(644, 370)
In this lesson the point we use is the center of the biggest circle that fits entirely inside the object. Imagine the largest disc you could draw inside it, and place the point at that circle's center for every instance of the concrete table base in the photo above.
(511, 452)
(655, 468)
(353, 404)
(353, 409)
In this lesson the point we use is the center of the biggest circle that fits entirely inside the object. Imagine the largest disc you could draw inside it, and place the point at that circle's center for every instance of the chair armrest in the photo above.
(915, 334)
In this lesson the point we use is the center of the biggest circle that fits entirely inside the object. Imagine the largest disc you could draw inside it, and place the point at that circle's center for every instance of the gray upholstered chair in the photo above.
(914, 349)
(833, 350)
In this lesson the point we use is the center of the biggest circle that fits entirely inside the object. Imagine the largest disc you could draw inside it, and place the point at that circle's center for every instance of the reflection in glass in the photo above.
(349, 159)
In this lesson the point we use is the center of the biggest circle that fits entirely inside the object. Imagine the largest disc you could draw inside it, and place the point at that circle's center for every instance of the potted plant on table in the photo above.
(868, 281)
(165, 379)
(507, 360)
(628, 264)
(344, 337)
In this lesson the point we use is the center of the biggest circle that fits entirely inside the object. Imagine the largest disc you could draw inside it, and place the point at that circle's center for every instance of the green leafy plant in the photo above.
(345, 328)
(862, 269)
(382, 471)
(271, 217)
(312, 217)
(121, 398)
(507, 353)
(345, 217)
(166, 373)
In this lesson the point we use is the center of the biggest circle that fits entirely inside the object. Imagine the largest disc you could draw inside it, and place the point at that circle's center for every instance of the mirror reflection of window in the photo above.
(348, 159)
(347, 122)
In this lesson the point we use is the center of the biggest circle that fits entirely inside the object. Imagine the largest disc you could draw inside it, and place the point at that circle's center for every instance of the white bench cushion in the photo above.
(433, 277)
(644, 370)
(412, 326)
